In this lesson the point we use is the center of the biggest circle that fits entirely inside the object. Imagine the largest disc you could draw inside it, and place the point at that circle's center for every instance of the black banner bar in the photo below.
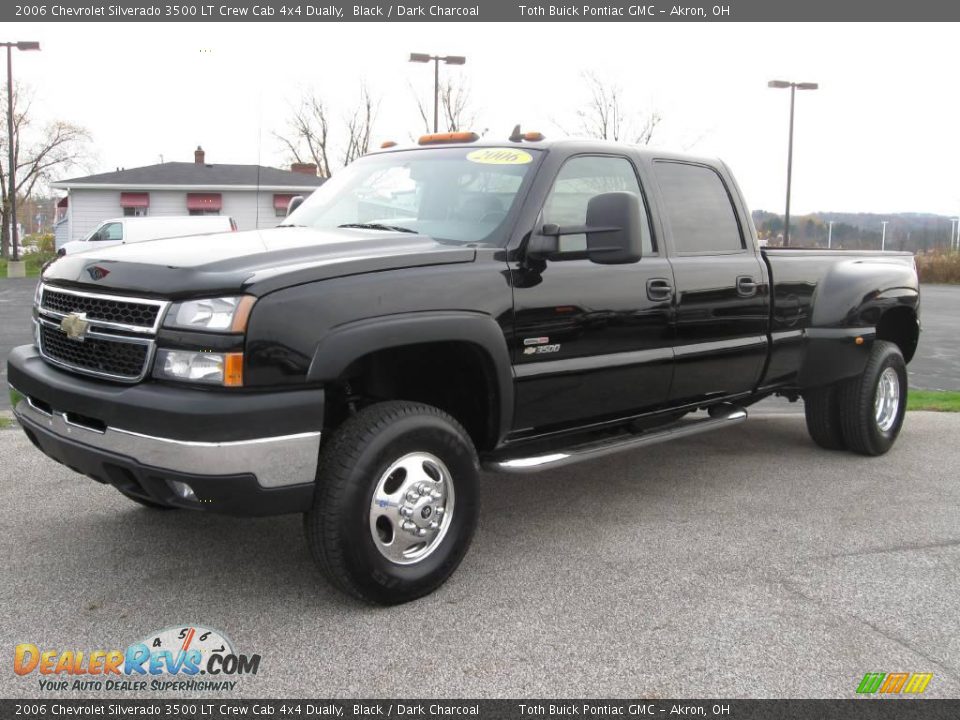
(478, 10)
(211, 709)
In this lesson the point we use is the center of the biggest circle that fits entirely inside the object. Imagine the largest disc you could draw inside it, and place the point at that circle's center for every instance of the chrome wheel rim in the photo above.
(412, 508)
(886, 402)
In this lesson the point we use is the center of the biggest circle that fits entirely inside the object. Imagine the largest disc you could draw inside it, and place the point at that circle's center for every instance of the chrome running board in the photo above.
(720, 416)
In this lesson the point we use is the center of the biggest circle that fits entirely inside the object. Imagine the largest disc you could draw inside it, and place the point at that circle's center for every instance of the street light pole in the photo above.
(436, 93)
(11, 158)
(780, 84)
(449, 60)
(883, 237)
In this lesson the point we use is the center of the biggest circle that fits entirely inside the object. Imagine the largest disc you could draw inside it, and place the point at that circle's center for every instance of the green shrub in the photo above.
(45, 243)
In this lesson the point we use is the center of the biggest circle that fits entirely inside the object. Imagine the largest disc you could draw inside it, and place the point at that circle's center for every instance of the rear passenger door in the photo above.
(722, 301)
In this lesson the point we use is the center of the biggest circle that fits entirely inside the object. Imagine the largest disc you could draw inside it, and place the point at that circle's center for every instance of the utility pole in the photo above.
(883, 238)
(13, 266)
(829, 234)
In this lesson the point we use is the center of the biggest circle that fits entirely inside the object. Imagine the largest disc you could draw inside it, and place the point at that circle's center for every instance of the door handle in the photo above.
(659, 289)
(746, 286)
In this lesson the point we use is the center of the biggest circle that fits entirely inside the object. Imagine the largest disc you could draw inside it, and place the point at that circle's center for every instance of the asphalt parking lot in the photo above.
(747, 563)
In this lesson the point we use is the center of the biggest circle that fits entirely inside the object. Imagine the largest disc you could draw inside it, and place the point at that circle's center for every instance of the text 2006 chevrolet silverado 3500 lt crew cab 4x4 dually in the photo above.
(435, 309)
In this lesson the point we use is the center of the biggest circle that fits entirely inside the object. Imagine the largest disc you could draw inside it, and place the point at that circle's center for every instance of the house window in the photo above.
(280, 202)
(134, 204)
(204, 203)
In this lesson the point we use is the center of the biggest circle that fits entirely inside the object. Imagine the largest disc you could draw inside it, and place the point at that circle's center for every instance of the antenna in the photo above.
(516, 135)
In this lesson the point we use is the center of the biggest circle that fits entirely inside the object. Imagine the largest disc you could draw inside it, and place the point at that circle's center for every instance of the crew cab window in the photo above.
(110, 231)
(699, 209)
(582, 178)
(458, 195)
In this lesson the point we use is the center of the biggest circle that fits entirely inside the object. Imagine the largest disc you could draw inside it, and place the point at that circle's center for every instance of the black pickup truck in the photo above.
(431, 310)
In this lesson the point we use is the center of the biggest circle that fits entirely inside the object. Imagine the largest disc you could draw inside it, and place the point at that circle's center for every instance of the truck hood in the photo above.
(257, 261)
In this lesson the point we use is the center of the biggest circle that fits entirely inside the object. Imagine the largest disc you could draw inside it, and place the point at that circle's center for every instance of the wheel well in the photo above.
(899, 326)
(457, 377)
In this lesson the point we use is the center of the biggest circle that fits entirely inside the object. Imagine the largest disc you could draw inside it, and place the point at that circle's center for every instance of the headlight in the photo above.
(225, 314)
(208, 368)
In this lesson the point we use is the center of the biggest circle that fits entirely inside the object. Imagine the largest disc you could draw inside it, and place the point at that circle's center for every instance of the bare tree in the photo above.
(312, 136)
(606, 117)
(456, 107)
(38, 154)
(308, 134)
(360, 127)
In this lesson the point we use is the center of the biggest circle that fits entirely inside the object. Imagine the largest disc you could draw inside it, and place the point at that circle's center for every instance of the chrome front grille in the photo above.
(117, 341)
(114, 311)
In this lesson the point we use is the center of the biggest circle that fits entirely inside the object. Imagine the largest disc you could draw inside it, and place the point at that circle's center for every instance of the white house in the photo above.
(254, 196)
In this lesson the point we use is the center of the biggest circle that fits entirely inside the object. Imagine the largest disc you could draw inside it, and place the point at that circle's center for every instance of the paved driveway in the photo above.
(746, 563)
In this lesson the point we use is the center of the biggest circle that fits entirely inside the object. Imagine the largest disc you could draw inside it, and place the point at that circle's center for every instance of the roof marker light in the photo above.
(448, 137)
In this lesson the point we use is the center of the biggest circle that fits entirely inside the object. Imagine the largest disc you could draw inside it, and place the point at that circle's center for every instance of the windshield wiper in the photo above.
(379, 226)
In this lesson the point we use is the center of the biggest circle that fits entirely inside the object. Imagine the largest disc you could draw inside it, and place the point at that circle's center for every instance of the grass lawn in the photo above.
(34, 261)
(940, 400)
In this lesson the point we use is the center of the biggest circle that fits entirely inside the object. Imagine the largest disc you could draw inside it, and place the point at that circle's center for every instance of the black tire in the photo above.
(822, 409)
(858, 419)
(352, 465)
(148, 503)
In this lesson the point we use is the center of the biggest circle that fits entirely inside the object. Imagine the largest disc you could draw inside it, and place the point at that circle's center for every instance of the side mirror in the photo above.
(295, 202)
(614, 228)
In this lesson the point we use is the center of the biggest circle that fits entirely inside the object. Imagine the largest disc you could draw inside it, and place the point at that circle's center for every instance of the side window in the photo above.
(579, 180)
(111, 231)
(699, 210)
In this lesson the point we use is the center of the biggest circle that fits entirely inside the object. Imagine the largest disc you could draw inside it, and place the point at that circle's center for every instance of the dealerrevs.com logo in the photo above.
(189, 658)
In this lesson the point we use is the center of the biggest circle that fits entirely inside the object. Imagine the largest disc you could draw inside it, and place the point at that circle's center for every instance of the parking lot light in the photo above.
(448, 60)
(782, 85)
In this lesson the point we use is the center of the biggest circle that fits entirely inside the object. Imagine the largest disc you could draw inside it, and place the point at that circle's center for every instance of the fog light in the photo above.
(182, 490)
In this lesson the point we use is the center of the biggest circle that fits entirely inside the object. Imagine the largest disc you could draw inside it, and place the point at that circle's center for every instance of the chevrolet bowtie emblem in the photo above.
(75, 326)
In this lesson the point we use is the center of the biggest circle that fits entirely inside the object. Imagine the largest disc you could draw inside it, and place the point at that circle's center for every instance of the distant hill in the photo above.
(917, 232)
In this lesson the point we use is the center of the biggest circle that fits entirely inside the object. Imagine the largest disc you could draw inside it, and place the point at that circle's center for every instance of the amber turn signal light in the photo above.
(233, 370)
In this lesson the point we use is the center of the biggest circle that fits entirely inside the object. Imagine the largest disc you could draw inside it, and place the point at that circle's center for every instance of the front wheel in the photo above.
(873, 404)
(396, 502)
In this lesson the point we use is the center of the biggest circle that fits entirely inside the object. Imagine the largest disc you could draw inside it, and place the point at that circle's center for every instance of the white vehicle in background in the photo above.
(119, 231)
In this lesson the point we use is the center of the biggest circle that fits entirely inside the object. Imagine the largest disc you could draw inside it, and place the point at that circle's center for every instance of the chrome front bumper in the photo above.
(275, 462)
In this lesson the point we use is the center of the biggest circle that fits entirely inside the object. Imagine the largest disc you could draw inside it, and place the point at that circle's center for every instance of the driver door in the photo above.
(591, 342)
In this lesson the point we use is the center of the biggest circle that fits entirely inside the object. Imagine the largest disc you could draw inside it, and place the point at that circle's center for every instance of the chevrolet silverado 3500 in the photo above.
(432, 310)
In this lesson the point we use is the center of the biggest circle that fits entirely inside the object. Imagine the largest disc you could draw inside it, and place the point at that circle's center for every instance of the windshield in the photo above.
(458, 195)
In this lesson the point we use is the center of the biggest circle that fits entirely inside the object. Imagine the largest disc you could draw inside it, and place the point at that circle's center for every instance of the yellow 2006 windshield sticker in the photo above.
(500, 156)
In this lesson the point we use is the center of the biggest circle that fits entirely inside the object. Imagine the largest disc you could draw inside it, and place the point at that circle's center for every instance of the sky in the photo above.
(880, 135)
